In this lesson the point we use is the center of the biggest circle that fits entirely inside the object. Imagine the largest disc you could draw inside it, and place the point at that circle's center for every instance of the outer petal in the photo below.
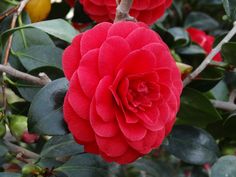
(122, 29)
(88, 72)
(71, 57)
(150, 141)
(101, 128)
(141, 37)
(79, 127)
(129, 156)
(77, 99)
(110, 55)
(94, 38)
(114, 146)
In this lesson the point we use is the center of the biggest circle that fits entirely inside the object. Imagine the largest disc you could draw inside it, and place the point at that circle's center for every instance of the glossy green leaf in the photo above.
(230, 8)
(39, 56)
(229, 126)
(3, 149)
(9, 174)
(228, 52)
(192, 145)
(200, 20)
(220, 91)
(180, 36)
(85, 165)
(207, 79)
(153, 168)
(224, 167)
(60, 146)
(58, 28)
(45, 113)
(196, 109)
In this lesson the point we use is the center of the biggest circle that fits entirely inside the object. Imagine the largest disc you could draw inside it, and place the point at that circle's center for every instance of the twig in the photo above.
(8, 12)
(20, 8)
(232, 96)
(122, 11)
(20, 150)
(208, 59)
(43, 79)
(227, 106)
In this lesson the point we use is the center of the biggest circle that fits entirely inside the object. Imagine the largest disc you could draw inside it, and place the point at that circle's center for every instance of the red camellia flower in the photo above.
(124, 90)
(204, 40)
(147, 11)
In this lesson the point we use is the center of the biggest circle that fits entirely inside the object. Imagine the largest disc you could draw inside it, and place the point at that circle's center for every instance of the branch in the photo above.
(227, 106)
(208, 59)
(232, 96)
(122, 11)
(8, 12)
(20, 150)
(43, 79)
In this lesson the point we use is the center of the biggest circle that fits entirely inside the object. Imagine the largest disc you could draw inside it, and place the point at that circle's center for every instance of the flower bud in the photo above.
(30, 169)
(29, 138)
(17, 125)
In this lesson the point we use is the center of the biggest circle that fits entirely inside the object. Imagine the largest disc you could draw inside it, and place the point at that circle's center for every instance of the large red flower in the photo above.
(204, 40)
(147, 11)
(124, 90)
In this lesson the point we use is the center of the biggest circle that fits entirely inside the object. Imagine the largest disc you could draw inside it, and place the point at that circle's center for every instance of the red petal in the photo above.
(101, 128)
(129, 156)
(105, 103)
(113, 147)
(94, 38)
(122, 29)
(149, 142)
(88, 72)
(77, 99)
(71, 57)
(91, 148)
(142, 37)
(112, 52)
(139, 61)
(133, 132)
(79, 127)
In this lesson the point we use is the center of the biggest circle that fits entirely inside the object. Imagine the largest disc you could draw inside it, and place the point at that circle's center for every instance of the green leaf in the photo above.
(153, 168)
(45, 113)
(230, 8)
(39, 56)
(27, 37)
(60, 146)
(58, 28)
(3, 149)
(192, 145)
(9, 174)
(221, 91)
(207, 79)
(196, 109)
(85, 165)
(224, 167)
(229, 126)
(228, 53)
(180, 36)
(200, 20)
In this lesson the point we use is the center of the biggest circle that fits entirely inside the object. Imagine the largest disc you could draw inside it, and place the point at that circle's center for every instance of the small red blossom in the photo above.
(204, 40)
(143, 10)
(29, 138)
(124, 90)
